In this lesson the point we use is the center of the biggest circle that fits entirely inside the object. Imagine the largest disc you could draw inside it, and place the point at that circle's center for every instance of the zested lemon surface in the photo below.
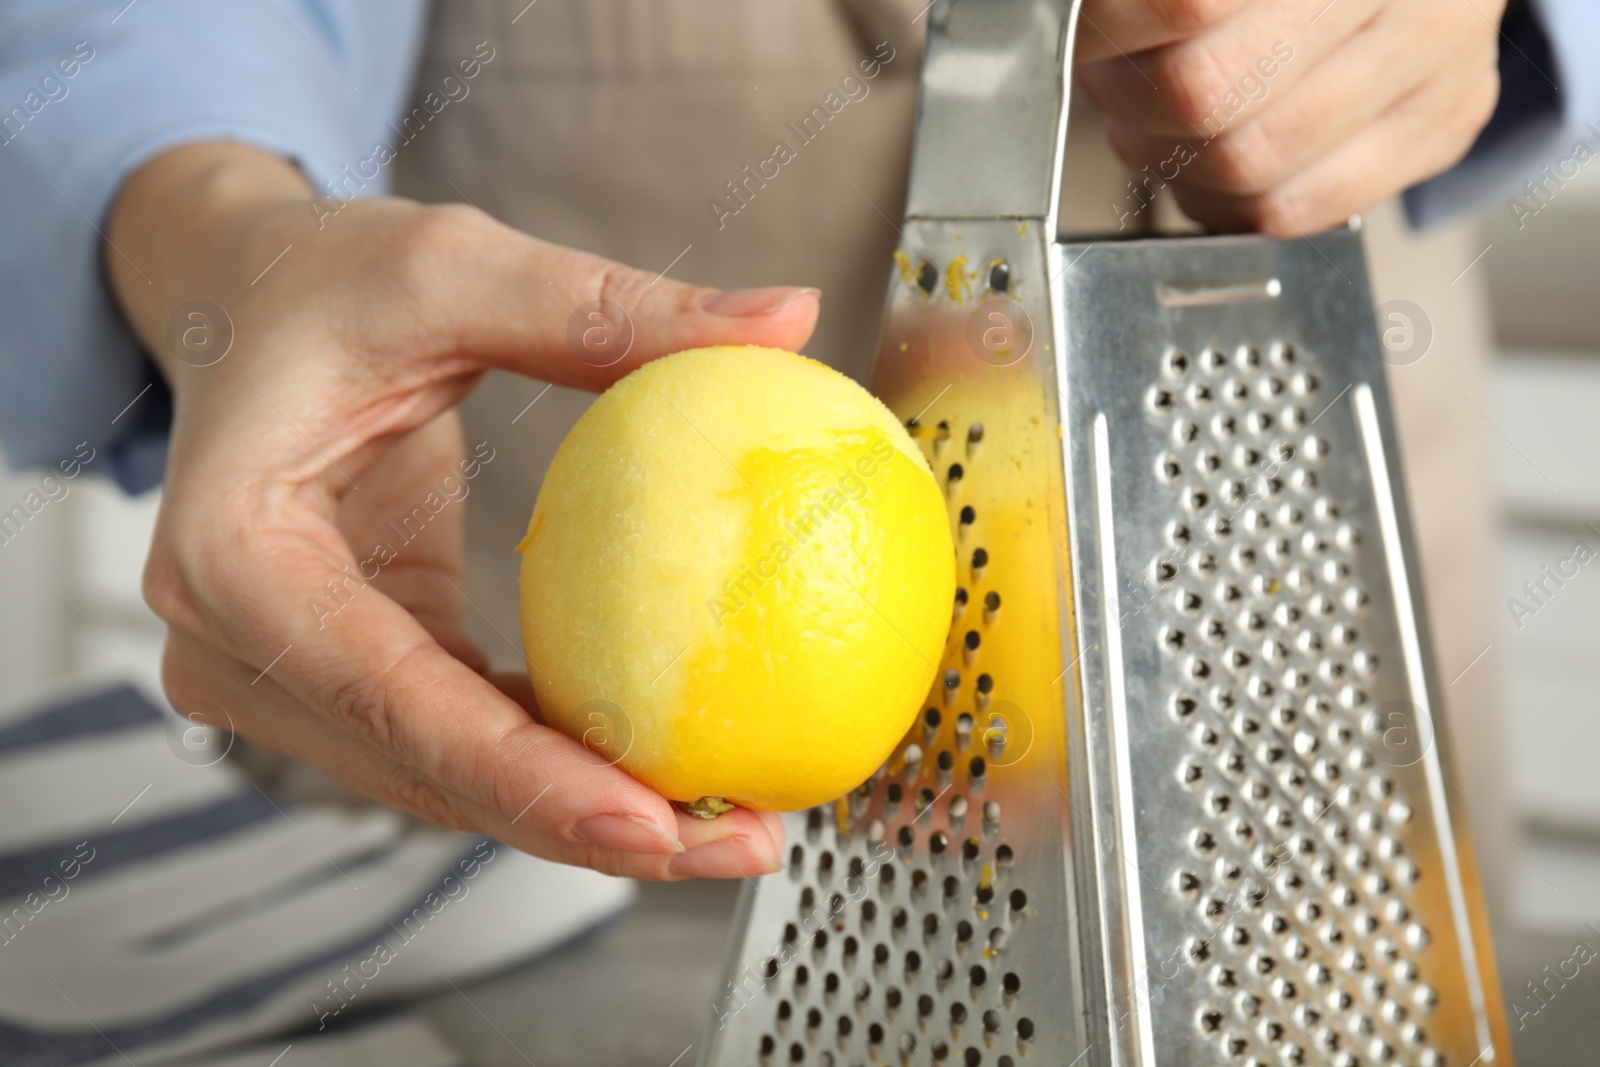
(737, 580)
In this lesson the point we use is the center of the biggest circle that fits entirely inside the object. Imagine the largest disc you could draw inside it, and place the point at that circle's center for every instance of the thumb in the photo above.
(580, 320)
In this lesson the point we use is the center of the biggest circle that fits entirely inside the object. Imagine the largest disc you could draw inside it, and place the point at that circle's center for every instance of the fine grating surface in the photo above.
(1298, 882)
(1291, 884)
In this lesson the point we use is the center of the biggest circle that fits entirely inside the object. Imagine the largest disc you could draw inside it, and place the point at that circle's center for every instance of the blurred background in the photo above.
(75, 621)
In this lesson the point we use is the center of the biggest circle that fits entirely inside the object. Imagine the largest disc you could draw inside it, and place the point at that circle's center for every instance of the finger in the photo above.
(1108, 28)
(574, 319)
(1199, 86)
(1420, 136)
(709, 854)
(1315, 117)
(377, 674)
(738, 844)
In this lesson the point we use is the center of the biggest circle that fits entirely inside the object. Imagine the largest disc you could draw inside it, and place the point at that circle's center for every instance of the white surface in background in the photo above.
(1547, 409)
(1556, 886)
(404, 1041)
(1547, 448)
(69, 581)
(1552, 682)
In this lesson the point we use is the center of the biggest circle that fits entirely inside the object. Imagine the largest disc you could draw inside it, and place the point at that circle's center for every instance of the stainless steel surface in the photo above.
(998, 57)
(1176, 797)
(1284, 872)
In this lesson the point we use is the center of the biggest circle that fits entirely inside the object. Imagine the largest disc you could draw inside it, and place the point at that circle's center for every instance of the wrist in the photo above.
(181, 226)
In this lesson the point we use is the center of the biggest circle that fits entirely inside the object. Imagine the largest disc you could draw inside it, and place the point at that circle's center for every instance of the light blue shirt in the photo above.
(91, 89)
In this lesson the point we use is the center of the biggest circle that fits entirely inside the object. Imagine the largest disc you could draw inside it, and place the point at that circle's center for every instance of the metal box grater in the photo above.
(1176, 797)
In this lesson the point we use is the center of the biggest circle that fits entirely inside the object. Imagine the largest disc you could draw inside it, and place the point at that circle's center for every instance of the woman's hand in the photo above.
(353, 336)
(1287, 116)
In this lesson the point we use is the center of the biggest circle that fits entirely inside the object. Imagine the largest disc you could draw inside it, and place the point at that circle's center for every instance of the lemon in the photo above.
(737, 580)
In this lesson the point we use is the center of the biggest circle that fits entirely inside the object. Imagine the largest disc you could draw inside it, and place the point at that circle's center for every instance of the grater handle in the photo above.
(992, 118)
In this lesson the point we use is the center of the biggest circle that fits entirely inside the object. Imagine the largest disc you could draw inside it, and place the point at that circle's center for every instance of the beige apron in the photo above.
(609, 126)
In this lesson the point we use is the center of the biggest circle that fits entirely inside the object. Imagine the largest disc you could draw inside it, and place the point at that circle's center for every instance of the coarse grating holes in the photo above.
(926, 937)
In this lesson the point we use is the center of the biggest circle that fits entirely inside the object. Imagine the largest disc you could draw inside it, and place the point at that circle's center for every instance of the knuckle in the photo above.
(1481, 106)
(411, 792)
(179, 680)
(1190, 16)
(1286, 216)
(364, 703)
(1246, 160)
(616, 284)
(165, 587)
(433, 237)
(1192, 85)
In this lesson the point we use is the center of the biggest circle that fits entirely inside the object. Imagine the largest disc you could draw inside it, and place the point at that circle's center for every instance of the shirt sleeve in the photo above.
(1549, 106)
(90, 90)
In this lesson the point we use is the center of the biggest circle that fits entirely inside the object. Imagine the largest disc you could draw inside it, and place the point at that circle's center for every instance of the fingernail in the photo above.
(733, 857)
(748, 303)
(628, 833)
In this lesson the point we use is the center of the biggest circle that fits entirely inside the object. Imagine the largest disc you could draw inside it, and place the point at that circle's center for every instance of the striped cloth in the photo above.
(155, 903)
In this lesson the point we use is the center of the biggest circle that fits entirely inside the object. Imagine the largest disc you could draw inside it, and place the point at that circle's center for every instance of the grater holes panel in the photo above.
(1295, 663)
(917, 952)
